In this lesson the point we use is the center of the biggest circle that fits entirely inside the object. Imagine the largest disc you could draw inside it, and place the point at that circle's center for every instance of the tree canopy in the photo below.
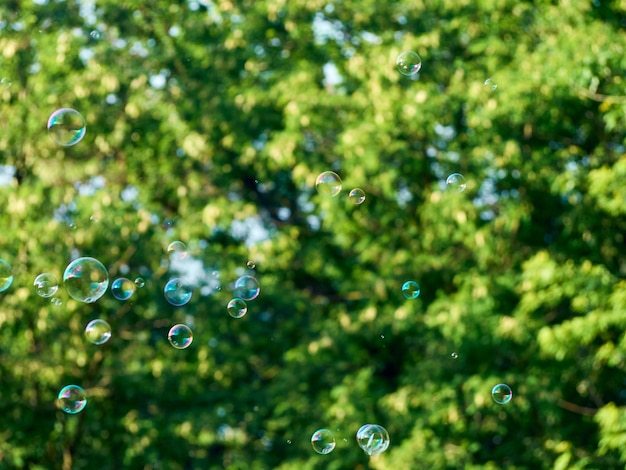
(208, 123)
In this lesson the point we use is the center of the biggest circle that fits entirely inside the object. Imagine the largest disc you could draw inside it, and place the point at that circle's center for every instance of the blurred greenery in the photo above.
(208, 122)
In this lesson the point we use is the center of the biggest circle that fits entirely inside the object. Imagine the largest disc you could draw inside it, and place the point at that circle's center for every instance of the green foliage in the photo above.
(209, 122)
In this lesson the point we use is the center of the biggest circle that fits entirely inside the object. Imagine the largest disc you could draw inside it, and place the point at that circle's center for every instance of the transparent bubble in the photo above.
(323, 441)
(357, 196)
(6, 275)
(177, 250)
(408, 63)
(122, 288)
(411, 290)
(98, 331)
(456, 183)
(247, 288)
(373, 439)
(86, 279)
(6, 82)
(501, 394)
(56, 301)
(140, 282)
(66, 126)
(328, 184)
(454, 355)
(251, 264)
(72, 399)
(237, 307)
(180, 336)
(46, 285)
(177, 293)
(490, 84)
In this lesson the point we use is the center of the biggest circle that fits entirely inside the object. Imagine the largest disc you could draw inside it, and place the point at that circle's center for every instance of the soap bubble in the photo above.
(237, 307)
(490, 84)
(98, 331)
(323, 441)
(6, 82)
(122, 288)
(140, 282)
(180, 336)
(373, 439)
(411, 290)
(408, 63)
(357, 196)
(46, 285)
(328, 184)
(456, 183)
(72, 399)
(6, 275)
(177, 293)
(56, 301)
(501, 394)
(454, 355)
(86, 279)
(66, 126)
(251, 264)
(247, 288)
(177, 250)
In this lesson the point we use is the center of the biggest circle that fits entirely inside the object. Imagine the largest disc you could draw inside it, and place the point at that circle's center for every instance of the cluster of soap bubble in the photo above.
(373, 439)
(329, 184)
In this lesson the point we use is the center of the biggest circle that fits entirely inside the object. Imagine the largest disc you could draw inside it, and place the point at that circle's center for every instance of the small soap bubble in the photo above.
(490, 84)
(140, 282)
(408, 63)
(251, 264)
(98, 331)
(180, 336)
(46, 285)
(6, 275)
(328, 184)
(177, 293)
(123, 288)
(323, 441)
(456, 183)
(6, 82)
(454, 355)
(86, 279)
(247, 288)
(288, 441)
(177, 250)
(373, 439)
(411, 290)
(72, 399)
(56, 301)
(501, 394)
(237, 307)
(66, 126)
(357, 196)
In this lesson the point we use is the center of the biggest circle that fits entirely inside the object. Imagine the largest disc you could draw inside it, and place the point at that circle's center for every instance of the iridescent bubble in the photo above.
(328, 184)
(66, 126)
(6, 275)
(323, 441)
(180, 336)
(122, 288)
(86, 279)
(357, 196)
(411, 290)
(247, 288)
(177, 293)
(140, 282)
(6, 82)
(56, 301)
(454, 355)
(373, 439)
(251, 264)
(490, 84)
(72, 399)
(456, 183)
(46, 285)
(408, 63)
(177, 250)
(237, 307)
(98, 331)
(501, 394)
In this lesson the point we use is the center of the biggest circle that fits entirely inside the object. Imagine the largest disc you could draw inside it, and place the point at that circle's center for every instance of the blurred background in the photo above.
(208, 123)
